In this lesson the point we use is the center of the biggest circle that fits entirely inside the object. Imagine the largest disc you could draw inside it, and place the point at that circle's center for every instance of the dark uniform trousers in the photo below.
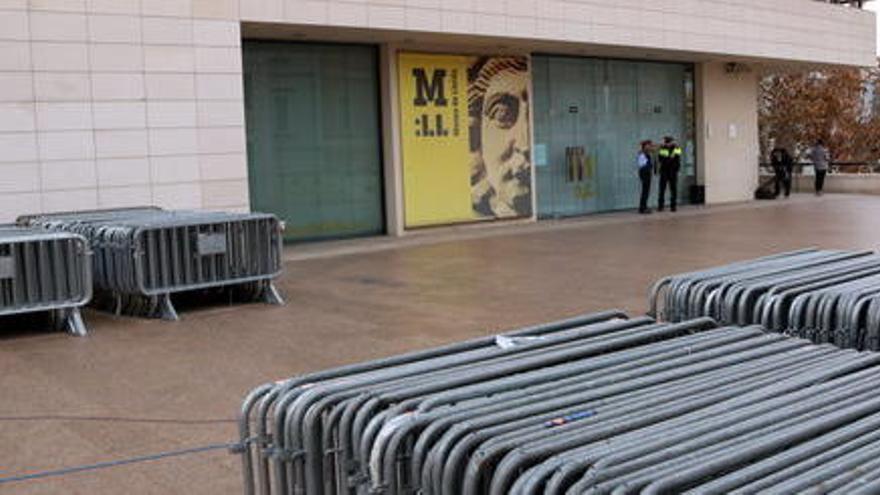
(668, 178)
(645, 177)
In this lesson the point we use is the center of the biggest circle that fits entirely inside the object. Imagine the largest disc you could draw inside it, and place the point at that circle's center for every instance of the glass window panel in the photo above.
(313, 137)
(605, 108)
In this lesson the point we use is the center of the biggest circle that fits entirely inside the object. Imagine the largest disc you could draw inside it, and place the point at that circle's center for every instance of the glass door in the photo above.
(565, 130)
(590, 116)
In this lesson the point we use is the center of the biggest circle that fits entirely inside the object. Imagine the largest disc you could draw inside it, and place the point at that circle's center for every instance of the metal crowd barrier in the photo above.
(824, 296)
(45, 271)
(595, 404)
(143, 255)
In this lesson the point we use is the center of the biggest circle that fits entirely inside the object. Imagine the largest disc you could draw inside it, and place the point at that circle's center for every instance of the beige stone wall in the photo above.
(107, 103)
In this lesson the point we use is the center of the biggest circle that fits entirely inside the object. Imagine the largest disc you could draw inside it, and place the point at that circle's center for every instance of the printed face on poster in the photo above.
(466, 138)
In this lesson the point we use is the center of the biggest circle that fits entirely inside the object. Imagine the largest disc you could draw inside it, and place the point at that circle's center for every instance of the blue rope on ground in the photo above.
(119, 462)
(115, 419)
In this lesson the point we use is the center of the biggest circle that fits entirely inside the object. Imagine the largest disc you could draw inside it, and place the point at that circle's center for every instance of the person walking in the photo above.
(645, 167)
(783, 167)
(820, 157)
(669, 157)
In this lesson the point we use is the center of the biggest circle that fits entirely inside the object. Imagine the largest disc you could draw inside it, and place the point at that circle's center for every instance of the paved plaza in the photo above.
(136, 387)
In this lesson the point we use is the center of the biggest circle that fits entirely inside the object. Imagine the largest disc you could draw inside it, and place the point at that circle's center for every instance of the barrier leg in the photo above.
(74, 323)
(117, 304)
(166, 309)
(271, 295)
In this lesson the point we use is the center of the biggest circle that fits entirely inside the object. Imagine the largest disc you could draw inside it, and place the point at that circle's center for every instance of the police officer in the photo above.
(669, 158)
(644, 166)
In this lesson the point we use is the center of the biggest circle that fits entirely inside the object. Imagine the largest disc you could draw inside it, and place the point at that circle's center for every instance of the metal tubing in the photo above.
(413, 363)
(820, 295)
(566, 466)
(514, 459)
(768, 445)
(607, 407)
(45, 272)
(591, 391)
(744, 430)
(143, 255)
(565, 379)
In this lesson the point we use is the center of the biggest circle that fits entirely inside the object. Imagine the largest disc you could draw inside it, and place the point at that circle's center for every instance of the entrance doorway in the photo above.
(590, 115)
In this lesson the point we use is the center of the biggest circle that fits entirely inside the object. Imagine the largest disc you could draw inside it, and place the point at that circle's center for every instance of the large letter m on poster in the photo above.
(432, 91)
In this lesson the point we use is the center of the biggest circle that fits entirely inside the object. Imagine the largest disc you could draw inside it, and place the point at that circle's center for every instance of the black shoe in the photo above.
(673, 209)
(660, 209)
(645, 212)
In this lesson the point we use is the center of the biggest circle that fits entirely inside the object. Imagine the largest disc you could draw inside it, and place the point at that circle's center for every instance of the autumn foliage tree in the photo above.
(838, 106)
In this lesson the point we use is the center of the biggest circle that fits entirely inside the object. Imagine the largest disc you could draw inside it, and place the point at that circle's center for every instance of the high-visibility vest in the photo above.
(666, 152)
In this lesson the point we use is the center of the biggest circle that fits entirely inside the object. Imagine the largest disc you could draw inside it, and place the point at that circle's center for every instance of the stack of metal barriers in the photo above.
(143, 255)
(825, 296)
(594, 404)
(45, 272)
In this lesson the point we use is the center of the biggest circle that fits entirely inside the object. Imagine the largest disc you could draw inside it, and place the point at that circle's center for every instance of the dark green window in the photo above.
(313, 128)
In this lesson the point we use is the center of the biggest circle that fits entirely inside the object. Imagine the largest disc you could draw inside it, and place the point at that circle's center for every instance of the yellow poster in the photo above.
(465, 138)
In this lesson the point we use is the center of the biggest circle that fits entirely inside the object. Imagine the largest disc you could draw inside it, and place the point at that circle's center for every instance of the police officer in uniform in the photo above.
(669, 158)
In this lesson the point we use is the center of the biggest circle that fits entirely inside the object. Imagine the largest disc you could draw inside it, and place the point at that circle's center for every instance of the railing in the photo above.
(833, 168)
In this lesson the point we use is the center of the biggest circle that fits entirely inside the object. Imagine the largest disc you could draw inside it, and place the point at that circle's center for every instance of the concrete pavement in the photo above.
(136, 387)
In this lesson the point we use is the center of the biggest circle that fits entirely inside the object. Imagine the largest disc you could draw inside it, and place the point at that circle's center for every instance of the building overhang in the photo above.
(784, 33)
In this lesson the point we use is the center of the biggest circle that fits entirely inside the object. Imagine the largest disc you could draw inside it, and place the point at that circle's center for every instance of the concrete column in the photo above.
(392, 156)
(727, 131)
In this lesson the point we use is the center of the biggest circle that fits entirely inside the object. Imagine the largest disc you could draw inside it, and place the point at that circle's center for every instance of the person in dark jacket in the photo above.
(669, 156)
(783, 166)
(645, 167)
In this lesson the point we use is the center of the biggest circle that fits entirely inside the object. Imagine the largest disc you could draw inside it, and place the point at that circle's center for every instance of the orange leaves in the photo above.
(835, 105)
